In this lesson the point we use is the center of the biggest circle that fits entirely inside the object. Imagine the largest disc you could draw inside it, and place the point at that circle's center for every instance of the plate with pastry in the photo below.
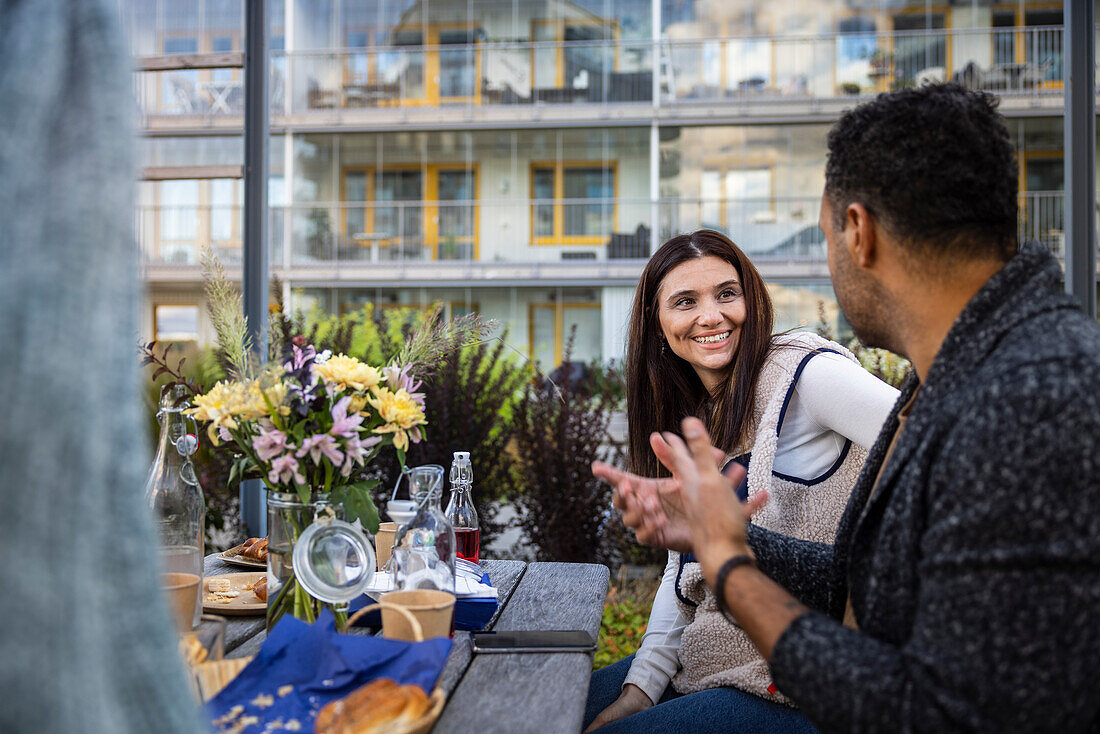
(250, 554)
(235, 593)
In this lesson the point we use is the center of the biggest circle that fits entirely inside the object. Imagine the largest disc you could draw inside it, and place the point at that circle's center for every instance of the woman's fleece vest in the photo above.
(714, 652)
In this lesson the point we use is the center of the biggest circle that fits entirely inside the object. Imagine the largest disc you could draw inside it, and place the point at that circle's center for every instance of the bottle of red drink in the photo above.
(460, 510)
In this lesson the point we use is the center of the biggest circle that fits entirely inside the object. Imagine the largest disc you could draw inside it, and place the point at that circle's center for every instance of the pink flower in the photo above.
(284, 469)
(270, 443)
(321, 444)
(342, 425)
(356, 452)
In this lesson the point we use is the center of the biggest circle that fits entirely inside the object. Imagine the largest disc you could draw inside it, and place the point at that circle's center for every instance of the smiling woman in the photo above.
(695, 287)
(701, 309)
(797, 410)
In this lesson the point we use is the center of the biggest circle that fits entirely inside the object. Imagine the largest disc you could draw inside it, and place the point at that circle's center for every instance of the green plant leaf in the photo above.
(358, 505)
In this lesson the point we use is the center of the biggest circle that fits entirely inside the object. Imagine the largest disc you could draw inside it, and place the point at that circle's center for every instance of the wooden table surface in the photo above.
(542, 692)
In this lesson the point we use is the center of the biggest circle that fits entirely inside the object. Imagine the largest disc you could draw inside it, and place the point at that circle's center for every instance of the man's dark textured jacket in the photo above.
(974, 570)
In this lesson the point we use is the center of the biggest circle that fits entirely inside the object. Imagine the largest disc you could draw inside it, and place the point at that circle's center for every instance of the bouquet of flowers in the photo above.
(310, 424)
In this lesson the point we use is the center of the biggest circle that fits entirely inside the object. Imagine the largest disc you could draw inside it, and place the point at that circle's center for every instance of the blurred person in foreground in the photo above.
(963, 588)
(87, 643)
(796, 409)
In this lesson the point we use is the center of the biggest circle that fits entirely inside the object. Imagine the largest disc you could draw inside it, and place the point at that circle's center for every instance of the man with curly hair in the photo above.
(963, 590)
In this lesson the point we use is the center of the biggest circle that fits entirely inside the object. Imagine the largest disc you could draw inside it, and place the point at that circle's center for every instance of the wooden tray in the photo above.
(247, 603)
(232, 555)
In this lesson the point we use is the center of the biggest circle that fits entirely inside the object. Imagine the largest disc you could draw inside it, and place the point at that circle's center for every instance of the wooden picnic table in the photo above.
(543, 692)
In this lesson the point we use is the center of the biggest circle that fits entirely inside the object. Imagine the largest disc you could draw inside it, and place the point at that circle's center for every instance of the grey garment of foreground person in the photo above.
(87, 645)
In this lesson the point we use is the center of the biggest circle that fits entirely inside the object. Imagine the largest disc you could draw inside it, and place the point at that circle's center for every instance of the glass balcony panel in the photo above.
(313, 235)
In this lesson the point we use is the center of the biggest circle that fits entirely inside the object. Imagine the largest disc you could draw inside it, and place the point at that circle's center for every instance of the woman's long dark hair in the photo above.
(661, 388)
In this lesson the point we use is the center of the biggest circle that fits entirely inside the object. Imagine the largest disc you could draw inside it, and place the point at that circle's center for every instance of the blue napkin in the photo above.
(470, 614)
(319, 665)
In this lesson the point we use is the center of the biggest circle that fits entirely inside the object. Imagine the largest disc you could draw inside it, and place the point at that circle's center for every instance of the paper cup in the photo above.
(383, 542)
(182, 590)
(433, 610)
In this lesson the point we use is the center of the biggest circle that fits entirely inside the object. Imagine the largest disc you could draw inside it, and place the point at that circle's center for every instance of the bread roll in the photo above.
(256, 551)
(379, 706)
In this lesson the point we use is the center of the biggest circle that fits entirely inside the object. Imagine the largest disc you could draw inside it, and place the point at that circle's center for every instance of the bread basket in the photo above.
(208, 679)
(436, 701)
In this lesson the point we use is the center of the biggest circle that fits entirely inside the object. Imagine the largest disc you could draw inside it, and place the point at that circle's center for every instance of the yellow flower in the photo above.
(228, 402)
(402, 415)
(348, 372)
(220, 406)
(358, 402)
(257, 407)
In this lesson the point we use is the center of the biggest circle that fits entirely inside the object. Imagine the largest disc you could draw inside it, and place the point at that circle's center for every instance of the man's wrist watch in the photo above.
(742, 559)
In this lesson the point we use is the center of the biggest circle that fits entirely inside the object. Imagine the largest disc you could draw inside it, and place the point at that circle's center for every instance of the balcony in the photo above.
(594, 82)
(494, 242)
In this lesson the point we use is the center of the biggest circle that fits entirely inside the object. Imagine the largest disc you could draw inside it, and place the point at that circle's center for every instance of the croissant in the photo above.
(255, 548)
(260, 589)
(377, 707)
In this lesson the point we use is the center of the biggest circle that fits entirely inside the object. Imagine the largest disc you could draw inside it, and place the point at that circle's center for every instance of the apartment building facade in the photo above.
(522, 159)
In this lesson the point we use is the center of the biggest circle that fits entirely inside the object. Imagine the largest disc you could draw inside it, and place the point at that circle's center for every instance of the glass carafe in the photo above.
(175, 497)
(424, 551)
(460, 509)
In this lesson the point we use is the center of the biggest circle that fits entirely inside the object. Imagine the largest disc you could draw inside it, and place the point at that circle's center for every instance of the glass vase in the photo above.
(287, 518)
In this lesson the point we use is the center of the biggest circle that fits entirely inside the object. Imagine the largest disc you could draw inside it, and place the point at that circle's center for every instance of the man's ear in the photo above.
(860, 235)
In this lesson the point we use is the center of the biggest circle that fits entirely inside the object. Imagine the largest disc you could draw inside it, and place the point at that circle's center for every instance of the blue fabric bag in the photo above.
(320, 665)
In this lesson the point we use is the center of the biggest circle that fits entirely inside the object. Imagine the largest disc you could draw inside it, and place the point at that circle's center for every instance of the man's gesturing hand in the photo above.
(652, 508)
(716, 518)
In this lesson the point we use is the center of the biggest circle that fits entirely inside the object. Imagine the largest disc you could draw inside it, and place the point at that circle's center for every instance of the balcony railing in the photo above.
(777, 229)
(178, 235)
(1007, 61)
(1012, 61)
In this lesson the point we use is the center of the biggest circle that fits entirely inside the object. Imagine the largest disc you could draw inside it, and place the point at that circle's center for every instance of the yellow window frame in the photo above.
(725, 196)
(558, 237)
(945, 11)
(559, 307)
(182, 304)
(429, 202)
(559, 25)
(1020, 31)
(432, 65)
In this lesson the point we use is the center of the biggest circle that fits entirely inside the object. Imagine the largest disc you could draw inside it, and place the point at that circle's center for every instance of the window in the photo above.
(574, 203)
(179, 211)
(225, 211)
(916, 53)
(583, 52)
(1042, 205)
(551, 325)
(176, 323)
(406, 210)
(191, 214)
(459, 62)
(1032, 39)
(179, 88)
(858, 59)
(734, 198)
